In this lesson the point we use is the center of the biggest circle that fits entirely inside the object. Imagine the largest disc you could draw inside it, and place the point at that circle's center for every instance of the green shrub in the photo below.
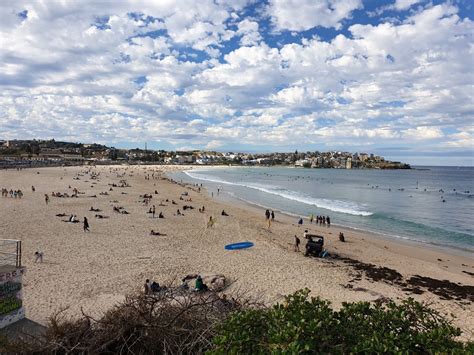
(309, 325)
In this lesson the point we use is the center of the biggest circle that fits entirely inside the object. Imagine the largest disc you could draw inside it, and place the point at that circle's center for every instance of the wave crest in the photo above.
(332, 205)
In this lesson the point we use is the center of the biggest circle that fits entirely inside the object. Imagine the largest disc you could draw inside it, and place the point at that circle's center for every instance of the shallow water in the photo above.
(400, 203)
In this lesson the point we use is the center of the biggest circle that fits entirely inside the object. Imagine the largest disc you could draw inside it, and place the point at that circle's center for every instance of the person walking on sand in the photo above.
(38, 256)
(297, 243)
(273, 216)
(153, 210)
(86, 225)
(46, 198)
(267, 214)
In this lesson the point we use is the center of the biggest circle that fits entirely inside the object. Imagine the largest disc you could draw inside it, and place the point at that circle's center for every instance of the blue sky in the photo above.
(391, 77)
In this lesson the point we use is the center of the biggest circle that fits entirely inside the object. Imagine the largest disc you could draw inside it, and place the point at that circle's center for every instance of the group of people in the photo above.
(13, 193)
(270, 217)
(151, 287)
(320, 219)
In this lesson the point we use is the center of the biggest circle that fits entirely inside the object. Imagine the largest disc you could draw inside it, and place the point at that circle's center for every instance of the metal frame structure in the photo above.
(10, 252)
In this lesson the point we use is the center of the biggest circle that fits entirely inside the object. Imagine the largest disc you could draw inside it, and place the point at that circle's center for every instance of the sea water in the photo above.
(425, 204)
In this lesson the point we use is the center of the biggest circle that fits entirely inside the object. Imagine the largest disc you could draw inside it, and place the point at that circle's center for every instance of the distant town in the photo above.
(36, 153)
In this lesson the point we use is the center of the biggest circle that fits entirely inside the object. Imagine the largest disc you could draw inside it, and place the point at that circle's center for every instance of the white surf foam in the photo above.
(332, 205)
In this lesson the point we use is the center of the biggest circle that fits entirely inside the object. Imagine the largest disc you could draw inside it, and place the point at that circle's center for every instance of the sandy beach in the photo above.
(94, 270)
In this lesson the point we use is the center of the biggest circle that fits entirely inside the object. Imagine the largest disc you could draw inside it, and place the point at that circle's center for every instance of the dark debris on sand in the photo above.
(445, 289)
(371, 271)
(415, 285)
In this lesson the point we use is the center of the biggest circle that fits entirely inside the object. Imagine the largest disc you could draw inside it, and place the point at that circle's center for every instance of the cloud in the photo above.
(303, 15)
(402, 5)
(423, 133)
(211, 74)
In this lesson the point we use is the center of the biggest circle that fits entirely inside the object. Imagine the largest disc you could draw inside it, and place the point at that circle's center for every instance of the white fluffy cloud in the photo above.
(401, 5)
(301, 15)
(154, 71)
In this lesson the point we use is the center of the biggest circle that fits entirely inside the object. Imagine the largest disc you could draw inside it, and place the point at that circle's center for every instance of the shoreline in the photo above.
(454, 251)
(95, 270)
(450, 249)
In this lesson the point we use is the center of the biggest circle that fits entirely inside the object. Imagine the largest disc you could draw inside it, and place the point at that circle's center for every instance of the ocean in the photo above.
(426, 204)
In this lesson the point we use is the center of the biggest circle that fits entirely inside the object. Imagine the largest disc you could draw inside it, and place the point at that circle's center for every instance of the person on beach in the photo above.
(273, 216)
(300, 222)
(224, 213)
(341, 237)
(210, 223)
(46, 198)
(153, 211)
(155, 287)
(146, 287)
(267, 214)
(311, 218)
(161, 215)
(328, 221)
(86, 225)
(297, 243)
(305, 234)
(38, 256)
(200, 285)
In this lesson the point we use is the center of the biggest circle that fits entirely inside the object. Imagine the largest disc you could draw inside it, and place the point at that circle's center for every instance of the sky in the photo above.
(390, 77)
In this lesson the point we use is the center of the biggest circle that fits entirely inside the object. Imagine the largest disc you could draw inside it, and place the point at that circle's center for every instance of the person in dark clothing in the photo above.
(297, 243)
(300, 222)
(267, 214)
(328, 221)
(86, 225)
(273, 216)
(341, 237)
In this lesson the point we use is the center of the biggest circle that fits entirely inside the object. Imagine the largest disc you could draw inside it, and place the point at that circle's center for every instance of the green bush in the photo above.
(309, 325)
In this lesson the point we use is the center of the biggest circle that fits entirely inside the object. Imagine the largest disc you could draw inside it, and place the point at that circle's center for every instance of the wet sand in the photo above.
(96, 269)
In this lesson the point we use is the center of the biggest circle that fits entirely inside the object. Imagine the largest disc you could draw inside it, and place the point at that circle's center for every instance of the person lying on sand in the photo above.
(61, 215)
(100, 216)
(224, 213)
(94, 209)
(152, 232)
